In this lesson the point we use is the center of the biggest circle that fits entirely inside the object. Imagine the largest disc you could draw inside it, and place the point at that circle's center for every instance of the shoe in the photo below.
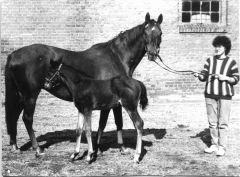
(220, 151)
(211, 149)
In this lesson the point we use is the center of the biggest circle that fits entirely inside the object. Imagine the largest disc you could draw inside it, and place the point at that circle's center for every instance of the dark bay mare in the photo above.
(28, 68)
(89, 95)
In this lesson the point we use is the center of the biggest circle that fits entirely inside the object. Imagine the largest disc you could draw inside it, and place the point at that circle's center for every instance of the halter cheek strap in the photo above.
(49, 82)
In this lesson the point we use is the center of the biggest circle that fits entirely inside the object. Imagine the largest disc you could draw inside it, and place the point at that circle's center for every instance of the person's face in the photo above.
(219, 50)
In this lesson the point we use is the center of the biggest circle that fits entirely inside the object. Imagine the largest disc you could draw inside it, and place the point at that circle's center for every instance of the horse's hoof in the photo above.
(15, 148)
(124, 150)
(39, 154)
(73, 156)
(99, 152)
(16, 151)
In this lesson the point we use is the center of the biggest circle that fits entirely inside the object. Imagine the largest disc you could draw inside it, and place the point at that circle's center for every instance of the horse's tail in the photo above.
(13, 106)
(143, 96)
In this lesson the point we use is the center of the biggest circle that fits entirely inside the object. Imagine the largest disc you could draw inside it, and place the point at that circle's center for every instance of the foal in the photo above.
(89, 95)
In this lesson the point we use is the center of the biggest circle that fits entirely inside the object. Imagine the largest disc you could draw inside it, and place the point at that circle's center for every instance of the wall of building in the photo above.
(78, 24)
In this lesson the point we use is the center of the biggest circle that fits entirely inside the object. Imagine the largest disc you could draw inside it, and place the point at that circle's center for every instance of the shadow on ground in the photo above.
(108, 140)
(204, 136)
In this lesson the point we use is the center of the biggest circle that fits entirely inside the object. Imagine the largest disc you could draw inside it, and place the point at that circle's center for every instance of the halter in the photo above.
(49, 82)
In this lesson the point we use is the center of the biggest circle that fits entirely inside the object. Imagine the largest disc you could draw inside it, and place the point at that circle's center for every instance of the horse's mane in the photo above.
(131, 35)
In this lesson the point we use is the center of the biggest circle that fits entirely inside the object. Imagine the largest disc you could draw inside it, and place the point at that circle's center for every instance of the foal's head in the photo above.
(152, 36)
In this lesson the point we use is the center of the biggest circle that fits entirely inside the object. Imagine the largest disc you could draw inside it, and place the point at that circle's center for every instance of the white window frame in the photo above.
(204, 26)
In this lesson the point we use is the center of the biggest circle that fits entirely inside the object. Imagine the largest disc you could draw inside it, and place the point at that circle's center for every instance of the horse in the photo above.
(89, 95)
(32, 68)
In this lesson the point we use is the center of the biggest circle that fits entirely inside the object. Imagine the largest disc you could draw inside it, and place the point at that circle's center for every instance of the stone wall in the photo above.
(78, 24)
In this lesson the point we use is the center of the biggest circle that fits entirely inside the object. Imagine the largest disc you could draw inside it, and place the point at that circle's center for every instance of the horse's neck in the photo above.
(131, 53)
(138, 54)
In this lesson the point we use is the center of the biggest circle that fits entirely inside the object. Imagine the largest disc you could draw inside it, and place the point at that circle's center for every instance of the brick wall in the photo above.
(78, 24)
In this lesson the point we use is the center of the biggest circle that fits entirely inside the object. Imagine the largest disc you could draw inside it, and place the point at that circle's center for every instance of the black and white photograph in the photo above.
(120, 88)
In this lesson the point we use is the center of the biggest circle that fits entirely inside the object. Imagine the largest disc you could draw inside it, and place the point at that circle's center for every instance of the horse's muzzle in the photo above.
(152, 56)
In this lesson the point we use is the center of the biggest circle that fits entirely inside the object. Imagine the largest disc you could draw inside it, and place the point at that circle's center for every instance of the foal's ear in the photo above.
(147, 18)
(160, 19)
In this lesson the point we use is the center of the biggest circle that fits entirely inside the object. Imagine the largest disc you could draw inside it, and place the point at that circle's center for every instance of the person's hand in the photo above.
(195, 74)
(222, 77)
(198, 75)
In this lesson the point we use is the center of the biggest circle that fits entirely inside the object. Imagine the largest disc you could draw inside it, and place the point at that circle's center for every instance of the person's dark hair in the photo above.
(224, 41)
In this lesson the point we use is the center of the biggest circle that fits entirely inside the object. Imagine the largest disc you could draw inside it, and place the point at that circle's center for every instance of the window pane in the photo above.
(186, 17)
(196, 6)
(205, 6)
(215, 17)
(186, 6)
(215, 6)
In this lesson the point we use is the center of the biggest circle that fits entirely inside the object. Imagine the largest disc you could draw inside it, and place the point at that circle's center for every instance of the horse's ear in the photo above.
(160, 19)
(147, 18)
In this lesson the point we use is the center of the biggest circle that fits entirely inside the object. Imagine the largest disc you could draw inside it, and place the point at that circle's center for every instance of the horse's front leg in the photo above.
(138, 123)
(88, 131)
(79, 130)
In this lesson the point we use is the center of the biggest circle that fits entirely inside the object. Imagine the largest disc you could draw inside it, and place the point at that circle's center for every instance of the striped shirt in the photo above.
(215, 88)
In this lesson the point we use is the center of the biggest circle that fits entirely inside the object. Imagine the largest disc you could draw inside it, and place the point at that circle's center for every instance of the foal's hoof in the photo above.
(73, 156)
(136, 158)
(90, 158)
(39, 152)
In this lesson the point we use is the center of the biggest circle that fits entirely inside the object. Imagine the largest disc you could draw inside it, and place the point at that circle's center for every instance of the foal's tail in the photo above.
(143, 96)
(12, 100)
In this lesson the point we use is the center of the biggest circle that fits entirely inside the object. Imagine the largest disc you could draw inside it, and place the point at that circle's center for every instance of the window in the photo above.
(200, 11)
(202, 15)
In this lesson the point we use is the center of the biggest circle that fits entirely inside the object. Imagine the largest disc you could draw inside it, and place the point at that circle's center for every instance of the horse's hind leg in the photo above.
(29, 108)
(138, 123)
(102, 124)
(117, 111)
(13, 108)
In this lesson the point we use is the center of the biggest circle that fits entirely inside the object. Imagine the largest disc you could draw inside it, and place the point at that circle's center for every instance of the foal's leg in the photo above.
(88, 132)
(29, 108)
(138, 123)
(79, 130)
(117, 111)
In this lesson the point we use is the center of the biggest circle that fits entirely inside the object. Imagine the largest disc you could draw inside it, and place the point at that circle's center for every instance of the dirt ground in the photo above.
(175, 134)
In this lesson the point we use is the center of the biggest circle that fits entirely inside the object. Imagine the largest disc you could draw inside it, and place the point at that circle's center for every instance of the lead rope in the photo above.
(179, 72)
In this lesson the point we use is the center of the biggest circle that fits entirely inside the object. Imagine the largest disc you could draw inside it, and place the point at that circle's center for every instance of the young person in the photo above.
(220, 74)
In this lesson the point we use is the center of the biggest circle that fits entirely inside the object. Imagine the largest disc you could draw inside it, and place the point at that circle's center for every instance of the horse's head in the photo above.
(152, 36)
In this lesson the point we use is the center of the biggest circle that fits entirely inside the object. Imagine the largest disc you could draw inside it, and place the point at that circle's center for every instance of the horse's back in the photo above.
(29, 65)
(35, 53)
